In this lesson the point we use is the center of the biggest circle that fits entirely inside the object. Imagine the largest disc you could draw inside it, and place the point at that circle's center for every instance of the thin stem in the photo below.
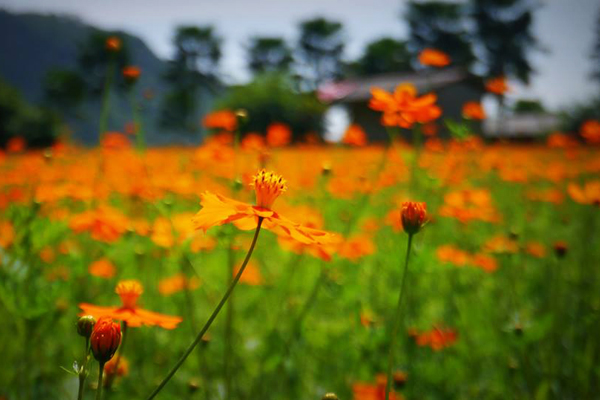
(106, 97)
(396, 323)
(83, 371)
(213, 316)
(100, 375)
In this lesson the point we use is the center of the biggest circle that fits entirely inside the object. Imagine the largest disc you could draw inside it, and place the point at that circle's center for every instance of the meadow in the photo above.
(501, 299)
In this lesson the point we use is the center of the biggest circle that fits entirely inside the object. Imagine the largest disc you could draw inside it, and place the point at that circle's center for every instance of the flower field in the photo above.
(500, 299)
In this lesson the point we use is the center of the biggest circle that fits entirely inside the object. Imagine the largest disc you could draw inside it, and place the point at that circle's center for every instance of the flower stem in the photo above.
(110, 71)
(83, 373)
(100, 375)
(212, 317)
(397, 319)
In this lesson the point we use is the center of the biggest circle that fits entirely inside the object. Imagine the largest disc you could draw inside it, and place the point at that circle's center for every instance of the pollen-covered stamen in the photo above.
(129, 291)
(268, 187)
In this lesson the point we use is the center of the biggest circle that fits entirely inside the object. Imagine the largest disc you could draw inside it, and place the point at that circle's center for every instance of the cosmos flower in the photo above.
(473, 110)
(355, 136)
(218, 210)
(105, 339)
(134, 316)
(403, 108)
(224, 119)
(497, 85)
(434, 58)
(278, 134)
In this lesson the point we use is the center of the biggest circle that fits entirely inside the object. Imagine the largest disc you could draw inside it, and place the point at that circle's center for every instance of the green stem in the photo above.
(106, 97)
(212, 317)
(137, 122)
(228, 333)
(83, 371)
(396, 323)
(100, 375)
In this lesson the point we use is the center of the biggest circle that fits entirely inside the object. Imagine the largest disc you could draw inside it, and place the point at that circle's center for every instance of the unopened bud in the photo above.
(414, 216)
(85, 326)
(105, 339)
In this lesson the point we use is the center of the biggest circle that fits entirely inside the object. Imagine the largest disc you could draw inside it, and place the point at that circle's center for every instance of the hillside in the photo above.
(33, 44)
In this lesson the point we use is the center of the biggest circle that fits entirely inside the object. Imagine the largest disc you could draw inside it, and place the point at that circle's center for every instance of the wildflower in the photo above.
(114, 141)
(497, 85)
(370, 391)
(434, 58)
(131, 73)
(223, 119)
(130, 291)
(15, 145)
(177, 283)
(589, 193)
(105, 339)
(278, 135)
(590, 131)
(414, 216)
(536, 249)
(251, 276)
(473, 110)
(7, 234)
(218, 210)
(113, 44)
(437, 338)
(102, 268)
(112, 370)
(356, 247)
(560, 248)
(105, 224)
(355, 136)
(403, 108)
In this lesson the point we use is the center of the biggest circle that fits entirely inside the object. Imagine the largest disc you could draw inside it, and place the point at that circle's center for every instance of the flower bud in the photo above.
(85, 326)
(105, 339)
(414, 216)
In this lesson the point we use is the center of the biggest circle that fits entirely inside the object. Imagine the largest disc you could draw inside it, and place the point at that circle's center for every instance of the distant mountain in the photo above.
(33, 44)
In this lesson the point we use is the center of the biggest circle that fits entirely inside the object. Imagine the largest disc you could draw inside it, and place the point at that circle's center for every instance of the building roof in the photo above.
(359, 89)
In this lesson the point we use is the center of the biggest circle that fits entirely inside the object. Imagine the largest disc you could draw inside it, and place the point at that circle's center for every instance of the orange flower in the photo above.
(589, 193)
(177, 283)
(501, 244)
(253, 141)
(434, 58)
(497, 85)
(562, 140)
(131, 73)
(437, 338)
(105, 224)
(403, 108)
(372, 391)
(102, 268)
(7, 234)
(130, 291)
(414, 216)
(356, 247)
(251, 275)
(113, 43)
(223, 119)
(218, 210)
(105, 339)
(473, 110)
(114, 141)
(278, 134)
(355, 136)
(590, 131)
(111, 368)
(536, 249)
(15, 144)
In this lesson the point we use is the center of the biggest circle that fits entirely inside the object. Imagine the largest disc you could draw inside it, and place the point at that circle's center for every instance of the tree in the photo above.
(596, 51)
(193, 68)
(525, 106)
(268, 54)
(64, 90)
(320, 48)
(381, 56)
(503, 32)
(440, 25)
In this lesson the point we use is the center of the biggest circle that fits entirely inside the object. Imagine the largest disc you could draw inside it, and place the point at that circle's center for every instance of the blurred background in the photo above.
(307, 64)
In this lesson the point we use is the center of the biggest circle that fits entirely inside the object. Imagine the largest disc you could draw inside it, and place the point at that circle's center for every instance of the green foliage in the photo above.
(440, 25)
(64, 89)
(382, 56)
(574, 116)
(269, 54)
(38, 126)
(503, 29)
(528, 106)
(271, 98)
(320, 49)
(193, 69)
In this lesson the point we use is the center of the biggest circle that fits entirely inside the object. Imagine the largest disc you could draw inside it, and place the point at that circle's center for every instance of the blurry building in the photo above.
(521, 126)
(453, 86)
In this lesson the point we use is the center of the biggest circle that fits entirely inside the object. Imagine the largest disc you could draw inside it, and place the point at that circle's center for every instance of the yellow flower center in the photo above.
(129, 291)
(268, 187)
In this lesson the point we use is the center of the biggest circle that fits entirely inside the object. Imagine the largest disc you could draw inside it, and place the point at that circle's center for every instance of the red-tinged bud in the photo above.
(105, 339)
(113, 44)
(414, 216)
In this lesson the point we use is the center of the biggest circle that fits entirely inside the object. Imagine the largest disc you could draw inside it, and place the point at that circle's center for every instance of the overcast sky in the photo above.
(565, 27)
